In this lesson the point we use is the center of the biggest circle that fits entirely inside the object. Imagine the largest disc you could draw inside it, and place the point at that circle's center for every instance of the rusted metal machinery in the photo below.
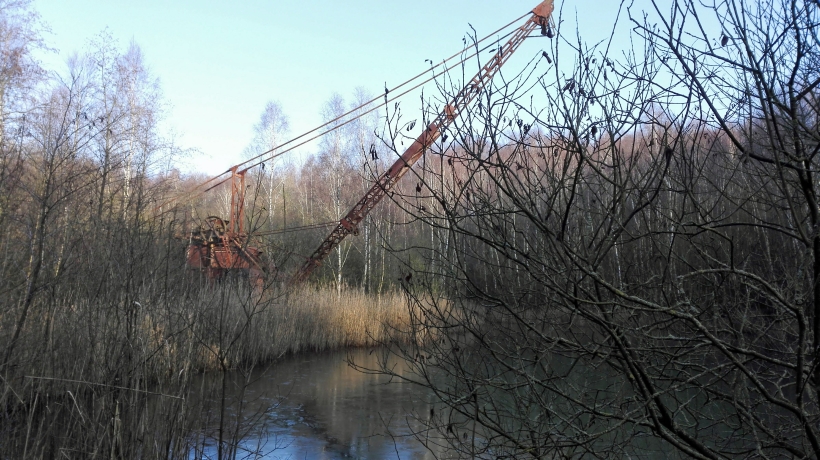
(219, 247)
(540, 18)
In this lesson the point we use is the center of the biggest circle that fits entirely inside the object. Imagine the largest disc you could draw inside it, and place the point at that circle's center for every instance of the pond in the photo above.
(315, 406)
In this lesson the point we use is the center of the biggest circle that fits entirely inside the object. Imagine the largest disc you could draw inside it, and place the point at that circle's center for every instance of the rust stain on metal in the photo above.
(218, 247)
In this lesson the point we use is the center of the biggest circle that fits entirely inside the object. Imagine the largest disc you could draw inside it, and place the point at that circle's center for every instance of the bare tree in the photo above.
(634, 263)
(335, 159)
(365, 142)
(20, 29)
(270, 132)
(143, 113)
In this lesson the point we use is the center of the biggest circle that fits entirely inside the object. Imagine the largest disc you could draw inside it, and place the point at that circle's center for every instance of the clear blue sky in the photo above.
(219, 62)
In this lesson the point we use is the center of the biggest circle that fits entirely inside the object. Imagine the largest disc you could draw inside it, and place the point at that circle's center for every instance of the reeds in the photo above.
(92, 377)
(311, 319)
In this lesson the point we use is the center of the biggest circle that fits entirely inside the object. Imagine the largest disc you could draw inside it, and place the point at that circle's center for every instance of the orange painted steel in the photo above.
(349, 223)
(237, 200)
(218, 247)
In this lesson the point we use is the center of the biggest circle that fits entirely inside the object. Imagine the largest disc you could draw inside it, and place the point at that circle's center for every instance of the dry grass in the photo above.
(315, 319)
(108, 359)
(198, 331)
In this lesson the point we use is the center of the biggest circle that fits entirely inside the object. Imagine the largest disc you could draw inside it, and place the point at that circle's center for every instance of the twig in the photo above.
(105, 385)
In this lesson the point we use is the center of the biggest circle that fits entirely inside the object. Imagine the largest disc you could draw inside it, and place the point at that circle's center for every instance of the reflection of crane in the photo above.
(219, 247)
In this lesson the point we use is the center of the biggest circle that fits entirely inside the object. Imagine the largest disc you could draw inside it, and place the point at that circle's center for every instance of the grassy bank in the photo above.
(311, 319)
(112, 378)
(304, 319)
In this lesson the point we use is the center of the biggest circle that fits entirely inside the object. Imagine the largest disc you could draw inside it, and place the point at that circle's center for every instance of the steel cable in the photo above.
(192, 195)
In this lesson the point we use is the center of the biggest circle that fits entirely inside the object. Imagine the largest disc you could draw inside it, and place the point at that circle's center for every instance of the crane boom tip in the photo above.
(544, 9)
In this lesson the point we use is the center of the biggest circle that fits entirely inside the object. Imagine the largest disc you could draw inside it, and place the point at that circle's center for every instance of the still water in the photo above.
(315, 406)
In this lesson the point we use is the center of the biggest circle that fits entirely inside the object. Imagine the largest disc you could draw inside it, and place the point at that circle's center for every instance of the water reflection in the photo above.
(316, 406)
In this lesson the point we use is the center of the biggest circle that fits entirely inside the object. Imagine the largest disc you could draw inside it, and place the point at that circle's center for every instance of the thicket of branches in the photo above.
(629, 260)
(102, 326)
(85, 275)
(605, 253)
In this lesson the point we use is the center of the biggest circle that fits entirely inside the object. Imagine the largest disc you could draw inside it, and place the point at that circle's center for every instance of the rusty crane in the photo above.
(221, 246)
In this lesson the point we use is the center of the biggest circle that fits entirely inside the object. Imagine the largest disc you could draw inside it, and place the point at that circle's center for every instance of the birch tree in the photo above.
(270, 131)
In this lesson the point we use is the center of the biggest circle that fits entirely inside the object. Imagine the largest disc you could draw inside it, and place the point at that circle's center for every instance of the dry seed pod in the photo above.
(547, 56)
